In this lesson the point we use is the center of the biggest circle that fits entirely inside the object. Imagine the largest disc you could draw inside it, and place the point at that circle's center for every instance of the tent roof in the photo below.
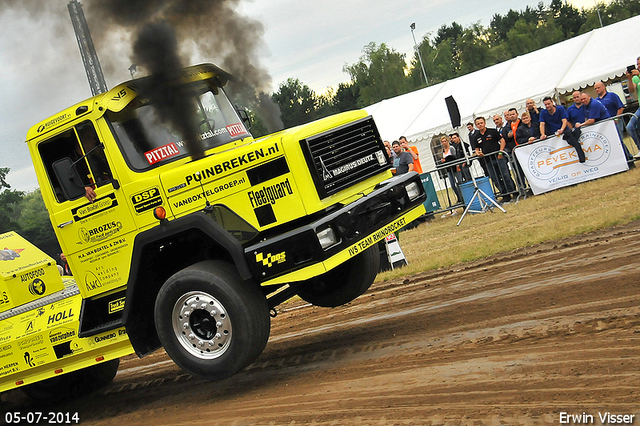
(606, 55)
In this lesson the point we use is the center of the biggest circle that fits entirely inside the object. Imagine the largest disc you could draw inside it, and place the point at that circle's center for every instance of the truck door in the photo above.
(92, 228)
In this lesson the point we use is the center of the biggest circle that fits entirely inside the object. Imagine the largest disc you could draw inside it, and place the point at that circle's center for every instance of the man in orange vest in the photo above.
(404, 143)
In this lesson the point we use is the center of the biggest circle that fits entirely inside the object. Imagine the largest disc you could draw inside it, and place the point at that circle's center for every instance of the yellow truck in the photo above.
(189, 253)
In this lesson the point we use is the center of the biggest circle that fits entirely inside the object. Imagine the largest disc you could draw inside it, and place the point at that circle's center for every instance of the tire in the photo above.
(73, 385)
(343, 283)
(210, 321)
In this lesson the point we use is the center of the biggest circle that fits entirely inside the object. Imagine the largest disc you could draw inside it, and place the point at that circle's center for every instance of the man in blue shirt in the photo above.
(553, 119)
(610, 100)
(594, 110)
(614, 107)
(576, 111)
(403, 163)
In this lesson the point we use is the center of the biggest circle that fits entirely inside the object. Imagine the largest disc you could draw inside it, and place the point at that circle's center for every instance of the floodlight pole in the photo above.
(415, 46)
(599, 17)
(88, 52)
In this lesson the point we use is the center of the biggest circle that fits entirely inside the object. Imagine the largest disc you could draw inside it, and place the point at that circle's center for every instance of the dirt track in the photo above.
(514, 339)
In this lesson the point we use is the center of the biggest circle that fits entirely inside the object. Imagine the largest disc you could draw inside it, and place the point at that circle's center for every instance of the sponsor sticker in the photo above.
(158, 154)
(364, 244)
(37, 287)
(236, 129)
(31, 275)
(53, 122)
(213, 190)
(146, 200)
(269, 259)
(61, 317)
(61, 334)
(270, 194)
(91, 209)
(99, 233)
(116, 305)
(214, 172)
(10, 254)
(105, 337)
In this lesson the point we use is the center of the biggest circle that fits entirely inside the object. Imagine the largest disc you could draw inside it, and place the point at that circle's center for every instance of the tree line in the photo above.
(382, 72)
(25, 213)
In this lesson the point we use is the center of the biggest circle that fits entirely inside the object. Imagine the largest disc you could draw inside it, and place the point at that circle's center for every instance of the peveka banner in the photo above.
(553, 163)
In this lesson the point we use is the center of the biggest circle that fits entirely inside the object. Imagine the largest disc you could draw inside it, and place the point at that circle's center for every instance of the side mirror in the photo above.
(244, 116)
(67, 174)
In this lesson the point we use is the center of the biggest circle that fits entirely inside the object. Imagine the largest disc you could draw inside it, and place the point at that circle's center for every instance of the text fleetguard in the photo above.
(270, 194)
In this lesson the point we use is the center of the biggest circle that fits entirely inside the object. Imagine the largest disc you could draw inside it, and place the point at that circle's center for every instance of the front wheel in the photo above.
(210, 321)
(345, 282)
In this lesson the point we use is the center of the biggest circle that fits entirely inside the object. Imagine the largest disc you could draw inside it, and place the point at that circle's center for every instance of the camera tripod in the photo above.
(486, 202)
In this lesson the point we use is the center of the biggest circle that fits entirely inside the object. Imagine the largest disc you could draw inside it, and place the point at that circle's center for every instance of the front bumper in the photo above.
(297, 255)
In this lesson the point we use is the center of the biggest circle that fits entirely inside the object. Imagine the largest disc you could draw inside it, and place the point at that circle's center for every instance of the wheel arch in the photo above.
(160, 252)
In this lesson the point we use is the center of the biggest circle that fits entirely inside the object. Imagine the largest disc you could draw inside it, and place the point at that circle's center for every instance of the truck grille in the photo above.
(344, 156)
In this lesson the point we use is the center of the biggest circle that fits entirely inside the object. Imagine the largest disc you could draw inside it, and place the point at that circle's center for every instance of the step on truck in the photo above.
(189, 253)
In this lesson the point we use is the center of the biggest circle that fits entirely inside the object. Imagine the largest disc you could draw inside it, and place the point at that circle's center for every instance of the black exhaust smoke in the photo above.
(156, 31)
(213, 27)
(156, 49)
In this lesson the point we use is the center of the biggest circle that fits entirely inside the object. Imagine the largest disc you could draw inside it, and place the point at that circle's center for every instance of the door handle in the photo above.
(62, 225)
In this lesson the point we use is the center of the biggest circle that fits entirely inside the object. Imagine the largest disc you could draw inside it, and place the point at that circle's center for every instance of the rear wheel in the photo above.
(210, 321)
(73, 385)
(343, 283)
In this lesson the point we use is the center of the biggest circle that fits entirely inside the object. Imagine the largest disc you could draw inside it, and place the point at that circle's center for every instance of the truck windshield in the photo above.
(146, 141)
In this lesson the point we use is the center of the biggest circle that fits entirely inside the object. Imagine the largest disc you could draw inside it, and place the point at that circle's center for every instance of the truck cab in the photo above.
(191, 252)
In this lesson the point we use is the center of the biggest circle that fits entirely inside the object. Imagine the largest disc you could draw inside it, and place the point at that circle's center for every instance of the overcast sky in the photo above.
(41, 71)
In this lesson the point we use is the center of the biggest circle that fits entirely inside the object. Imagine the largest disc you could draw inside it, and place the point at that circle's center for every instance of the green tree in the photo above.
(610, 13)
(432, 61)
(9, 204)
(34, 224)
(567, 18)
(443, 67)
(26, 215)
(501, 25)
(379, 74)
(549, 33)
(258, 129)
(450, 34)
(325, 104)
(522, 39)
(346, 97)
(475, 51)
(297, 102)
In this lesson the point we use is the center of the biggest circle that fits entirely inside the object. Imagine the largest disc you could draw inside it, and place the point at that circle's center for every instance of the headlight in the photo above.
(413, 191)
(327, 237)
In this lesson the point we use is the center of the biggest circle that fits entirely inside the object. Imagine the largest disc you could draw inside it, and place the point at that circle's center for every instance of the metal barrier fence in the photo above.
(448, 177)
(506, 176)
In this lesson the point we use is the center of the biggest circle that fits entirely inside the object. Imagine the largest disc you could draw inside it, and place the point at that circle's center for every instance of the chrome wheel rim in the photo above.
(202, 325)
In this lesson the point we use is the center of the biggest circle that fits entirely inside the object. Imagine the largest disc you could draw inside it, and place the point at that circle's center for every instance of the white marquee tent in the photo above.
(601, 54)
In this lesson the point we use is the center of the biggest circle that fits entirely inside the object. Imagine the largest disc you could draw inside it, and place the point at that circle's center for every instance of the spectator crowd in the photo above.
(486, 144)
